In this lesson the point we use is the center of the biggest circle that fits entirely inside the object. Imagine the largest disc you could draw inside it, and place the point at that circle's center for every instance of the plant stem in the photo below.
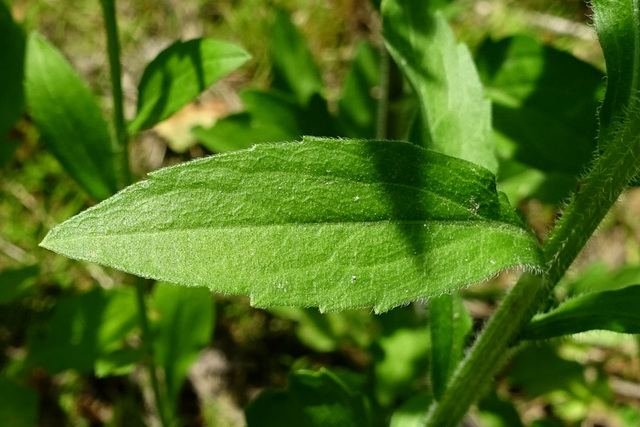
(120, 150)
(474, 373)
(383, 100)
(609, 177)
(120, 146)
(147, 339)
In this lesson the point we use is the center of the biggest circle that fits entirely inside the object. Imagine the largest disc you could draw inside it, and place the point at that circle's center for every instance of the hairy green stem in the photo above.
(120, 145)
(474, 373)
(609, 176)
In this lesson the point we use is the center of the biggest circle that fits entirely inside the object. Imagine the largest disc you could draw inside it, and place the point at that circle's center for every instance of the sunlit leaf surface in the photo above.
(179, 74)
(333, 224)
(454, 112)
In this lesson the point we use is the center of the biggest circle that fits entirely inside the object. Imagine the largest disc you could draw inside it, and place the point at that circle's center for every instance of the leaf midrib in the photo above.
(459, 223)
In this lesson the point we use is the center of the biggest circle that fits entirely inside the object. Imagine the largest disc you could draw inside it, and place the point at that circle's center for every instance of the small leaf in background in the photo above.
(544, 102)
(184, 327)
(179, 74)
(401, 357)
(83, 329)
(615, 311)
(455, 114)
(69, 119)
(519, 181)
(538, 370)
(413, 412)
(118, 362)
(450, 325)
(317, 120)
(313, 399)
(327, 332)
(269, 117)
(599, 277)
(19, 406)
(495, 412)
(12, 55)
(278, 114)
(333, 224)
(618, 26)
(293, 68)
(15, 282)
(357, 105)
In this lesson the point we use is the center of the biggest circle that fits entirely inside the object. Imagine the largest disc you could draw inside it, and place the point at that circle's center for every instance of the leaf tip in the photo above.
(44, 243)
(50, 243)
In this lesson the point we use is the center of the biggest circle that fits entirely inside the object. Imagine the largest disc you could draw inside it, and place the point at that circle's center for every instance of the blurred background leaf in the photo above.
(455, 115)
(69, 120)
(294, 70)
(14, 282)
(615, 311)
(179, 74)
(84, 329)
(544, 102)
(19, 404)
(315, 399)
(401, 355)
(184, 326)
(358, 105)
(12, 55)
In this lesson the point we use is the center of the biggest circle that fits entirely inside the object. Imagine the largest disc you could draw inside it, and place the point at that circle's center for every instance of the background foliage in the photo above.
(70, 335)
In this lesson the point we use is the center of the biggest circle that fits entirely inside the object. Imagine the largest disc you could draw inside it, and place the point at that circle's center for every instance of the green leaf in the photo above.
(618, 26)
(12, 54)
(334, 224)
(19, 406)
(413, 412)
(599, 277)
(519, 181)
(184, 328)
(15, 282)
(544, 102)
(615, 311)
(450, 326)
(179, 74)
(294, 71)
(401, 357)
(538, 370)
(314, 399)
(84, 329)
(357, 105)
(69, 120)
(495, 412)
(120, 361)
(316, 119)
(455, 114)
(327, 332)
(269, 117)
